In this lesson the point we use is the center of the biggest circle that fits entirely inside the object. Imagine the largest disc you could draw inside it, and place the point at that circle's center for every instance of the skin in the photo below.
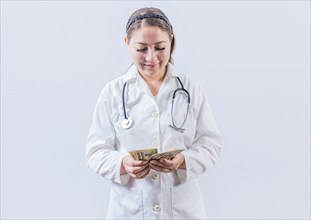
(149, 48)
(150, 51)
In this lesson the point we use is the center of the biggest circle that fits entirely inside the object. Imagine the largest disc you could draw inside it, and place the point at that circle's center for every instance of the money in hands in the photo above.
(152, 154)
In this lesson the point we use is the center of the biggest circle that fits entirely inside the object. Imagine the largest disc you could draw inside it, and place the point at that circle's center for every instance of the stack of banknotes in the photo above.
(152, 154)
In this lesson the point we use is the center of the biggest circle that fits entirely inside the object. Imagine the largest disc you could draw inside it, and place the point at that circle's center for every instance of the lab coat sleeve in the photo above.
(207, 144)
(101, 153)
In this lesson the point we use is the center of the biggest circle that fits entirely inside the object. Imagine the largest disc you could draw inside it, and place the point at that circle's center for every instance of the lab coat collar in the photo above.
(132, 73)
(171, 71)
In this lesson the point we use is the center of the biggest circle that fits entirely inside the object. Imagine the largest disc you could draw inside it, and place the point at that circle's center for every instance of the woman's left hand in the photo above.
(166, 166)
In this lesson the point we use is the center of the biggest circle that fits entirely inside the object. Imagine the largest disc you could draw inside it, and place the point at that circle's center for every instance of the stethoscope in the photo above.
(128, 121)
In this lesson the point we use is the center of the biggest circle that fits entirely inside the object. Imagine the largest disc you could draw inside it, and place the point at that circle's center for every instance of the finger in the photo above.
(161, 163)
(143, 173)
(139, 169)
(158, 163)
(134, 170)
(132, 175)
(159, 166)
(160, 169)
(138, 163)
(155, 167)
(134, 163)
(168, 162)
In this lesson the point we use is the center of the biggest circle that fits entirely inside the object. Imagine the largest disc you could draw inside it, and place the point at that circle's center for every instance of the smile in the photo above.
(150, 65)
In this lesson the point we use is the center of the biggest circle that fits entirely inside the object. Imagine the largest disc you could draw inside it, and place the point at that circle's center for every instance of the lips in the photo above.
(150, 65)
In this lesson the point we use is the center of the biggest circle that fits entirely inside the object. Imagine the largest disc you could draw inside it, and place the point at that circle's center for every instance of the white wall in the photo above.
(253, 58)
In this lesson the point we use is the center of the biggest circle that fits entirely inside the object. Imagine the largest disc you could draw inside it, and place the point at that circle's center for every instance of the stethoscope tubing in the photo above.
(123, 100)
(128, 122)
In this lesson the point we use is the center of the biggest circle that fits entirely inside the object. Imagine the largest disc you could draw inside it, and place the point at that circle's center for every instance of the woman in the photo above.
(136, 111)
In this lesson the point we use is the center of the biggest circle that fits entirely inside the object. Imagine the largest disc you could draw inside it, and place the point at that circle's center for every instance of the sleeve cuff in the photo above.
(124, 178)
(182, 174)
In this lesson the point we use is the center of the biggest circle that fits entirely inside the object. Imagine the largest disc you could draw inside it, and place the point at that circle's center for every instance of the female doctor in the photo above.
(153, 105)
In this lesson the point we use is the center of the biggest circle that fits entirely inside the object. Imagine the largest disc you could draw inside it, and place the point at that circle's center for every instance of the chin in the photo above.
(149, 70)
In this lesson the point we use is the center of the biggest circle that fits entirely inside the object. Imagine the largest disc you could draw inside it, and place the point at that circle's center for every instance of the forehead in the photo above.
(149, 35)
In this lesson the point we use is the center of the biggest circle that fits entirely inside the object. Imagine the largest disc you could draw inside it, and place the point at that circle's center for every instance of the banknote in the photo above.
(143, 154)
(168, 155)
(152, 154)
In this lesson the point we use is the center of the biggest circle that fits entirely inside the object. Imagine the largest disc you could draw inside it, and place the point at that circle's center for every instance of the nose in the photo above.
(151, 56)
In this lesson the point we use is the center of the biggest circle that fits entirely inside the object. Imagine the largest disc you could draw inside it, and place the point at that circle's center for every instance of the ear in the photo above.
(126, 41)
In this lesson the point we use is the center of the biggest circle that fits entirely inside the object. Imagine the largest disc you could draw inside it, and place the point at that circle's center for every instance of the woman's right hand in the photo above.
(137, 169)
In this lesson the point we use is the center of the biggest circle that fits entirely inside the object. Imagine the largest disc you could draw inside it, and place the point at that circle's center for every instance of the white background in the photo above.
(252, 57)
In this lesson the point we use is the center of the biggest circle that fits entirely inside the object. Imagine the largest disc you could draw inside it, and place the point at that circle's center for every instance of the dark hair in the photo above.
(163, 24)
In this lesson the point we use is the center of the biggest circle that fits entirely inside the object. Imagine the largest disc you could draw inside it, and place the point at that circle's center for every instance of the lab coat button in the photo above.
(154, 114)
(157, 208)
(155, 176)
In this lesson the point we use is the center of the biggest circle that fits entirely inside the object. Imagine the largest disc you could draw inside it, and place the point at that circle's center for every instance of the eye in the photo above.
(141, 50)
(163, 48)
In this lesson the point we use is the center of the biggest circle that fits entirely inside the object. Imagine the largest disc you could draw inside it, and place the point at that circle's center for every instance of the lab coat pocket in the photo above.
(125, 203)
(187, 201)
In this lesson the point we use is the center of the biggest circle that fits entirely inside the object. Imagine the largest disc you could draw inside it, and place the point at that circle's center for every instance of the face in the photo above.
(150, 50)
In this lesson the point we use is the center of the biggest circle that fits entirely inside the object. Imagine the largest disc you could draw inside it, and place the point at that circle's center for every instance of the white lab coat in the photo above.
(174, 195)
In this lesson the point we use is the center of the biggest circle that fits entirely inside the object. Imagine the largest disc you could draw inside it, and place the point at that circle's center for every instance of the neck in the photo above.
(154, 82)
(159, 77)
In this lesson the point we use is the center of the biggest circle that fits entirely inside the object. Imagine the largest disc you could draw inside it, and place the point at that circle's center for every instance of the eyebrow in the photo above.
(154, 43)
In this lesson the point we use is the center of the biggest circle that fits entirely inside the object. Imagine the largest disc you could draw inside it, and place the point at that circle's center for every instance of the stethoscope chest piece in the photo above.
(127, 123)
